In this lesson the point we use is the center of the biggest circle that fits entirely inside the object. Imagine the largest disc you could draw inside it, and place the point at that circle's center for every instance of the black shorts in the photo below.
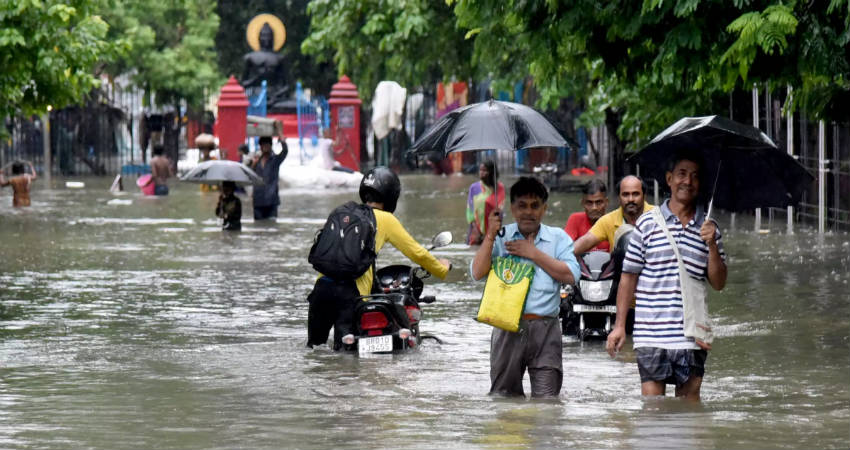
(670, 366)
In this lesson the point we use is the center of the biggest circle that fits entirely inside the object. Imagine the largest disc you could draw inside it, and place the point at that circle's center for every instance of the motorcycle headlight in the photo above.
(595, 291)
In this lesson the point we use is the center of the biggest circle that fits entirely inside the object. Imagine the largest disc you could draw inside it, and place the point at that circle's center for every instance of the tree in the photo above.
(639, 66)
(170, 48)
(231, 44)
(170, 53)
(414, 42)
(49, 50)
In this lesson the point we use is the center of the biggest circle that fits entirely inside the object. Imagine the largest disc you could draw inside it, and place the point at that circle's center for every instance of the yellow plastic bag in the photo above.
(504, 293)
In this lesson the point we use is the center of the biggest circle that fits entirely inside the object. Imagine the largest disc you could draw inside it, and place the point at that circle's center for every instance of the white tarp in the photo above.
(387, 108)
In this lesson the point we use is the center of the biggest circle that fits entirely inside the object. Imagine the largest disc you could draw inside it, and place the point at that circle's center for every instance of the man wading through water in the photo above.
(650, 269)
(537, 345)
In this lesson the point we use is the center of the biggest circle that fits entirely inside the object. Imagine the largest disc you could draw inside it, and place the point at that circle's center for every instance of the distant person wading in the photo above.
(267, 165)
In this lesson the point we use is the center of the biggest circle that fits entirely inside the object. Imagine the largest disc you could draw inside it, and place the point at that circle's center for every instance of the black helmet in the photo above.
(381, 185)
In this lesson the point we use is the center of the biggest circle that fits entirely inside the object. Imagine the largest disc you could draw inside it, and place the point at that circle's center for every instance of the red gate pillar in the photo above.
(232, 119)
(345, 123)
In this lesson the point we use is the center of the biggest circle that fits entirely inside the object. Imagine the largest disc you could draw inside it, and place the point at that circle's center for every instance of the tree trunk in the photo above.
(171, 135)
(616, 149)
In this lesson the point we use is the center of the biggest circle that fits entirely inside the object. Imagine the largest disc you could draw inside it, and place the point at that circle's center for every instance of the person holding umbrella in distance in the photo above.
(230, 174)
(229, 207)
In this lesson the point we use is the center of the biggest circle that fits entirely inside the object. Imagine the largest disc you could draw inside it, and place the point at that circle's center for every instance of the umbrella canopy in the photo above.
(216, 171)
(750, 171)
(490, 125)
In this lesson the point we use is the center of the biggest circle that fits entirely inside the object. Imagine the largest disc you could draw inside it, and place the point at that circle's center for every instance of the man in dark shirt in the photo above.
(267, 165)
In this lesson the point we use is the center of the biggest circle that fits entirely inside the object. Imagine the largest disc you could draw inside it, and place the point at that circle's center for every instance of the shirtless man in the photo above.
(20, 182)
(160, 171)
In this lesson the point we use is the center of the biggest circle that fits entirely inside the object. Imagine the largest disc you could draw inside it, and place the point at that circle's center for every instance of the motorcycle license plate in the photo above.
(375, 344)
(595, 308)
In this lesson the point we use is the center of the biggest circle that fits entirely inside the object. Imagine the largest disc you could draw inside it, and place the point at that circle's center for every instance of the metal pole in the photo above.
(821, 176)
(756, 124)
(789, 120)
(836, 176)
(655, 188)
(45, 134)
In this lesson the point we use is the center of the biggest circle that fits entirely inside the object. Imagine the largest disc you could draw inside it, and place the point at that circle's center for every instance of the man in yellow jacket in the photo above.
(632, 193)
(332, 301)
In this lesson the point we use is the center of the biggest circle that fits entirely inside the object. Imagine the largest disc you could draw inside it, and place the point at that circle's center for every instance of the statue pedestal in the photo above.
(345, 123)
(231, 122)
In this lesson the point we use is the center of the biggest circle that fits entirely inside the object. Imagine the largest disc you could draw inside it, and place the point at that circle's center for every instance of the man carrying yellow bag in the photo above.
(536, 345)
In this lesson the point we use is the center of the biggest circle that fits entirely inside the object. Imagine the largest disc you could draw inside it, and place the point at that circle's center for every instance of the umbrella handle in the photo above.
(713, 190)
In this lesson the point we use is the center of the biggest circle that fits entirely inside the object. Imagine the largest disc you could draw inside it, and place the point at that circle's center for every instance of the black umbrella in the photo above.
(490, 125)
(748, 171)
(216, 171)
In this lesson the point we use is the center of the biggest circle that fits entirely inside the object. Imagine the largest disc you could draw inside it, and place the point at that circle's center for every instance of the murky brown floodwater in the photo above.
(141, 325)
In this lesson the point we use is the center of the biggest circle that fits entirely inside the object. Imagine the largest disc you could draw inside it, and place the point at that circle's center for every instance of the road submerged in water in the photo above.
(130, 322)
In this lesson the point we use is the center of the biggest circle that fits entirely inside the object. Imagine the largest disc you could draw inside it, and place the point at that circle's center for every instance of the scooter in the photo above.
(589, 309)
(388, 319)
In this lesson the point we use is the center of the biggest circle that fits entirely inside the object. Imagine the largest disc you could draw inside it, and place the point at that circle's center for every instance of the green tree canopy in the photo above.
(639, 66)
(635, 66)
(413, 42)
(49, 50)
(170, 47)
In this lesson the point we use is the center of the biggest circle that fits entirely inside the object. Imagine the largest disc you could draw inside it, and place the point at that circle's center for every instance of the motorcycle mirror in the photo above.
(441, 239)
(622, 230)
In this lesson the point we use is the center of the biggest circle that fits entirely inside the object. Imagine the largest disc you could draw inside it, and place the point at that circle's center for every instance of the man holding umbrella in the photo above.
(665, 355)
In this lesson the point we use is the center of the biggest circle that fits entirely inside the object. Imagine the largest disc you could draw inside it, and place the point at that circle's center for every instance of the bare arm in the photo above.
(481, 262)
(585, 243)
(625, 293)
(716, 267)
(33, 175)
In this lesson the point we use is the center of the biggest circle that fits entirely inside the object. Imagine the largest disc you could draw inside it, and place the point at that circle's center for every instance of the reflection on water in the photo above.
(139, 324)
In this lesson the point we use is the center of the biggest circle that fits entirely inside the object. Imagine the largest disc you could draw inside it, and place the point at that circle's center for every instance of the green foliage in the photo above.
(797, 44)
(766, 31)
(635, 66)
(170, 47)
(413, 42)
(639, 66)
(48, 52)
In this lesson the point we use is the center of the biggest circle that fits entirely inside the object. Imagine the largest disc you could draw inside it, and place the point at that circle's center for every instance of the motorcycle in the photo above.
(388, 319)
(589, 309)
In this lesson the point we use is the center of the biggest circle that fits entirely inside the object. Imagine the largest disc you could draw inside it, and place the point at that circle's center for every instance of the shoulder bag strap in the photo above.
(659, 219)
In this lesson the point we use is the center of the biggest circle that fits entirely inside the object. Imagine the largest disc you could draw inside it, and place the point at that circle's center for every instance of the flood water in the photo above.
(135, 323)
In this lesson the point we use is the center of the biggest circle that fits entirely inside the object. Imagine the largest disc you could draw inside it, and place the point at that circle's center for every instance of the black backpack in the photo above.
(345, 247)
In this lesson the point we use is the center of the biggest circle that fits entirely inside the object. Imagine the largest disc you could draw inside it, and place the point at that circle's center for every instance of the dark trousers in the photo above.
(536, 347)
(265, 212)
(331, 305)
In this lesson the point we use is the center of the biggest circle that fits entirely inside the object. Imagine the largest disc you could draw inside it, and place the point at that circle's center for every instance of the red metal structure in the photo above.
(231, 122)
(345, 123)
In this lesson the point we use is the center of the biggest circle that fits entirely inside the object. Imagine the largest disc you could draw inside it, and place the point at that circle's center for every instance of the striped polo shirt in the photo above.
(659, 318)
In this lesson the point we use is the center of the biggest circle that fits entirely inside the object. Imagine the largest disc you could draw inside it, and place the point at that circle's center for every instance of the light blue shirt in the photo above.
(544, 297)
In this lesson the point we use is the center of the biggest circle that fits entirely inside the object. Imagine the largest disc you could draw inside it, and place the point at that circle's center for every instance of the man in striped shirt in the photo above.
(650, 269)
